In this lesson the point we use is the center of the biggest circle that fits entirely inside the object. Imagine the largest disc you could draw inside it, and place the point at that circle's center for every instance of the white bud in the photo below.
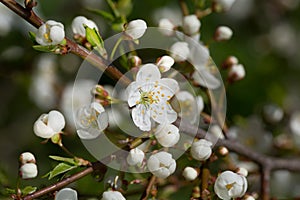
(112, 195)
(136, 29)
(27, 157)
(295, 123)
(201, 150)
(91, 120)
(273, 113)
(28, 171)
(180, 51)
(191, 24)
(216, 131)
(242, 171)
(190, 173)
(165, 63)
(236, 72)
(135, 157)
(78, 25)
(161, 164)
(167, 135)
(225, 4)
(50, 33)
(166, 26)
(66, 194)
(200, 103)
(223, 33)
(230, 185)
(49, 124)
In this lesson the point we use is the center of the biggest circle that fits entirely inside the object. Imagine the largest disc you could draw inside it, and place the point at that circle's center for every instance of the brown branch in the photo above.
(59, 185)
(149, 187)
(184, 8)
(265, 183)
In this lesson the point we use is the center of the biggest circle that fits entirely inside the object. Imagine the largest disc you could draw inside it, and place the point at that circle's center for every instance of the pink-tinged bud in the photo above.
(236, 73)
(229, 62)
(27, 157)
(223, 151)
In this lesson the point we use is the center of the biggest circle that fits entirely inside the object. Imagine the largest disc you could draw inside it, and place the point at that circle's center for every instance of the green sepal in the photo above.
(93, 37)
(48, 49)
(56, 139)
(32, 36)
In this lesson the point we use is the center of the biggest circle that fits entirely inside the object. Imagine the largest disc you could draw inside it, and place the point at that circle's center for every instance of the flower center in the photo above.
(147, 98)
(229, 186)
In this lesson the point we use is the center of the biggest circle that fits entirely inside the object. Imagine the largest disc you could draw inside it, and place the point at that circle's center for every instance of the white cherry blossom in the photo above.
(161, 164)
(230, 185)
(66, 194)
(165, 63)
(167, 135)
(112, 195)
(191, 24)
(50, 33)
(91, 120)
(201, 150)
(136, 29)
(78, 25)
(28, 171)
(49, 124)
(190, 173)
(149, 96)
(180, 51)
(135, 157)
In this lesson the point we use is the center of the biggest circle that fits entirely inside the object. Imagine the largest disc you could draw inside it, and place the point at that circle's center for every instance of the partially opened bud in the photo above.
(180, 51)
(50, 33)
(167, 135)
(242, 171)
(201, 150)
(78, 25)
(223, 33)
(161, 164)
(191, 24)
(190, 173)
(28, 171)
(165, 63)
(236, 72)
(229, 62)
(166, 26)
(27, 157)
(136, 29)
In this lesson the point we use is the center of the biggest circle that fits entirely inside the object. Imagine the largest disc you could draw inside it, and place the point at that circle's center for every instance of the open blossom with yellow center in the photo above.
(149, 96)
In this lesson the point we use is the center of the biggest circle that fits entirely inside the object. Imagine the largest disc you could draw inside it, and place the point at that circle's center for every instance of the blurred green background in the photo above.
(265, 40)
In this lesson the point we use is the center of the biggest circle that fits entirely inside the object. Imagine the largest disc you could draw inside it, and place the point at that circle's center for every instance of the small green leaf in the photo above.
(10, 191)
(60, 169)
(32, 35)
(102, 13)
(47, 49)
(63, 159)
(28, 190)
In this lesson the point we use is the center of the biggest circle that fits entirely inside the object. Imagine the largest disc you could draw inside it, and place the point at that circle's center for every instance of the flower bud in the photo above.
(216, 131)
(225, 5)
(167, 135)
(50, 33)
(49, 124)
(78, 24)
(166, 26)
(161, 164)
(27, 157)
(223, 33)
(191, 24)
(272, 113)
(134, 61)
(66, 194)
(165, 63)
(28, 171)
(294, 123)
(229, 62)
(242, 171)
(190, 173)
(223, 151)
(230, 185)
(136, 29)
(180, 51)
(135, 157)
(200, 103)
(201, 150)
(236, 73)
(112, 195)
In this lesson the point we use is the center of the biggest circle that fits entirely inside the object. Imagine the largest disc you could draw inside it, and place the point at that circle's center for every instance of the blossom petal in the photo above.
(88, 134)
(148, 72)
(102, 121)
(141, 117)
(56, 121)
(42, 130)
(206, 79)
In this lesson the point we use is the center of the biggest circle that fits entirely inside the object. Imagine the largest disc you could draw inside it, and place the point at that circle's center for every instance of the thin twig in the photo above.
(265, 183)
(184, 8)
(149, 187)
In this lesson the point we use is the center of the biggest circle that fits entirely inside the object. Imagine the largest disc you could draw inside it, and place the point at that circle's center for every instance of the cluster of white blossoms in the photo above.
(149, 96)
(28, 168)
(230, 185)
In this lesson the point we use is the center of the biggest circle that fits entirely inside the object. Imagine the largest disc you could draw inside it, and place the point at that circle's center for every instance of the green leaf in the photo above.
(47, 49)
(28, 190)
(60, 169)
(32, 36)
(10, 191)
(64, 159)
(102, 13)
